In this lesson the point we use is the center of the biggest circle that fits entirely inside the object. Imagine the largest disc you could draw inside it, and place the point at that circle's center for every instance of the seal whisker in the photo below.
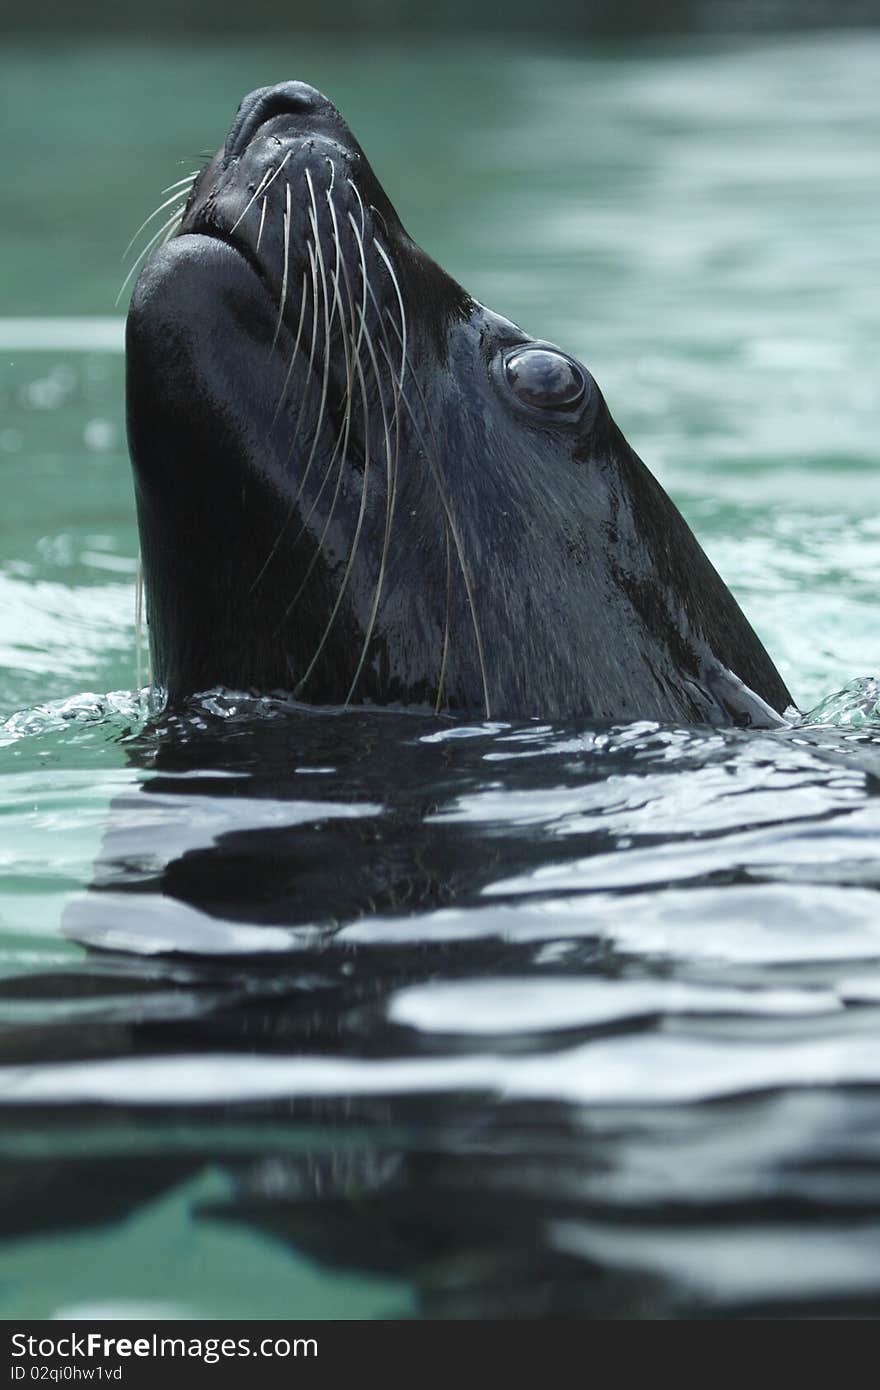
(396, 380)
(261, 187)
(363, 504)
(292, 508)
(394, 372)
(365, 279)
(172, 230)
(337, 301)
(269, 182)
(283, 299)
(313, 267)
(354, 188)
(264, 185)
(341, 440)
(170, 227)
(175, 198)
(361, 237)
(342, 437)
(385, 257)
(381, 218)
(396, 385)
(299, 329)
(316, 262)
(319, 256)
(262, 223)
(396, 376)
(390, 466)
(360, 202)
(187, 178)
(328, 314)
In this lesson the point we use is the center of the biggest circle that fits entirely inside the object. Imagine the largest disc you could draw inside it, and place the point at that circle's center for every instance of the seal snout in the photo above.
(285, 98)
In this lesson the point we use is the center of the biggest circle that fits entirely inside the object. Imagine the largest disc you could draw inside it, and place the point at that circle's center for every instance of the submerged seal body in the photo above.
(355, 483)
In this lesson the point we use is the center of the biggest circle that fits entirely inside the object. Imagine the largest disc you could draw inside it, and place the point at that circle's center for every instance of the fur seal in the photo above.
(356, 484)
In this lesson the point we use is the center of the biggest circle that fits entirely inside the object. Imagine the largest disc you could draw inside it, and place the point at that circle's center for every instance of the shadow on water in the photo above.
(538, 1021)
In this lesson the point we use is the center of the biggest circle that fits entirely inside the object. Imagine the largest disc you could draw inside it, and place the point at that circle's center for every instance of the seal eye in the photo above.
(545, 379)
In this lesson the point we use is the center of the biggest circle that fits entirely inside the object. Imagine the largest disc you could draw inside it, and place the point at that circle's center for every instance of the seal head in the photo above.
(357, 484)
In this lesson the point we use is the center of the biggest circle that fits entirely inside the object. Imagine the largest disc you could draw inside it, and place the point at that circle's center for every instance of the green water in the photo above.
(697, 221)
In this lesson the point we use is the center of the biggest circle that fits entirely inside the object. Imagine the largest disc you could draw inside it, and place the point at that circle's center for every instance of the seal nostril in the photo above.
(292, 98)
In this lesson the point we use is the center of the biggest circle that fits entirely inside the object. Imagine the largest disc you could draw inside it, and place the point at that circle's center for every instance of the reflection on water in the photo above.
(524, 1020)
(312, 1013)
